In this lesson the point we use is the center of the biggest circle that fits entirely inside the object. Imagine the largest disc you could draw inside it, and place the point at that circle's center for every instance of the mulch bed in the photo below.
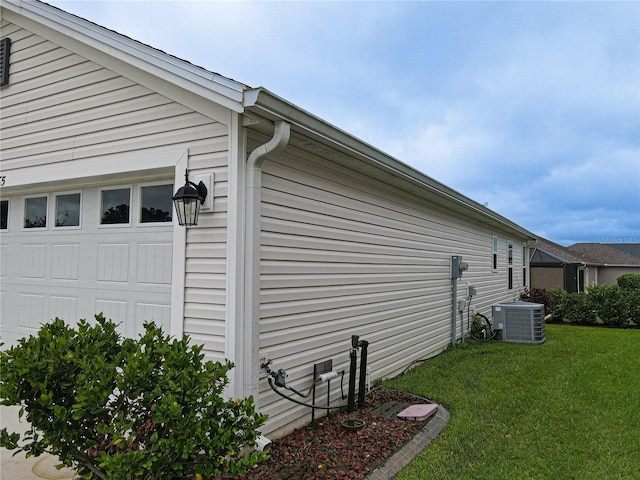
(329, 451)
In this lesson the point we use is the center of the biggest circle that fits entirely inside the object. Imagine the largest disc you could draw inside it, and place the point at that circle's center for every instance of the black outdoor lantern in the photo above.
(187, 201)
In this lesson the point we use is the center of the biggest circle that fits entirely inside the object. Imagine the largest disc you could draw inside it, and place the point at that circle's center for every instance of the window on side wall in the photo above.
(115, 205)
(494, 259)
(510, 263)
(35, 212)
(525, 256)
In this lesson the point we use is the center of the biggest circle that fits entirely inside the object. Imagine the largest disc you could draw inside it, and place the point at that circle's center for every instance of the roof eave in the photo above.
(262, 102)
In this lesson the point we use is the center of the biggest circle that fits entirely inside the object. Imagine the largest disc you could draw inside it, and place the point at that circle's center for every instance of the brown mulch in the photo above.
(331, 452)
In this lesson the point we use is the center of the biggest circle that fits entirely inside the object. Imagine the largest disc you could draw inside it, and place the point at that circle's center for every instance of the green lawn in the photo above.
(567, 409)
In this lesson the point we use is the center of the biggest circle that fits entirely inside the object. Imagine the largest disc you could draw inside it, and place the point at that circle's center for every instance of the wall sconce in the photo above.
(187, 201)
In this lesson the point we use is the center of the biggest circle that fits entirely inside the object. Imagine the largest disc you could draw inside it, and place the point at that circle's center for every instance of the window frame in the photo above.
(26, 198)
(8, 214)
(140, 188)
(510, 264)
(525, 259)
(101, 206)
(494, 253)
(55, 210)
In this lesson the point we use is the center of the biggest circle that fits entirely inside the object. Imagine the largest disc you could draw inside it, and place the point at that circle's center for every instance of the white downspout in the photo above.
(251, 338)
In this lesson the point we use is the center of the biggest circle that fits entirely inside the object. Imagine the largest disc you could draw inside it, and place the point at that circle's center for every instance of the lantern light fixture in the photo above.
(187, 201)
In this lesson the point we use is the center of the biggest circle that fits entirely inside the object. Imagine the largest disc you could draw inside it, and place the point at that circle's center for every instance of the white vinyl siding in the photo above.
(64, 110)
(346, 255)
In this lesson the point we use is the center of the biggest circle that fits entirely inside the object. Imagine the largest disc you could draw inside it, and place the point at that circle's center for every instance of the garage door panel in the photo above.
(113, 262)
(4, 249)
(63, 307)
(33, 261)
(150, 312)
(115, 310)
(155, 263)
(65, 260)
(30, 312)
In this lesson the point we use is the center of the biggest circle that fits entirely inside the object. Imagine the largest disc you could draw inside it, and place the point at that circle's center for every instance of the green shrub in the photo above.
(571, 307)
(580, 309)
(126, 409)
(559, 304)
(629, 281)
(609, 305)
(631, 299)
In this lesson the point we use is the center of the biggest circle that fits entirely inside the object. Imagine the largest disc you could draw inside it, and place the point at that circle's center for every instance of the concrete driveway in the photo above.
(20, 468)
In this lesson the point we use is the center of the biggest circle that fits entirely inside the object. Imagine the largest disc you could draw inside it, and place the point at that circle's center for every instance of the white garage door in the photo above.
(76, 253)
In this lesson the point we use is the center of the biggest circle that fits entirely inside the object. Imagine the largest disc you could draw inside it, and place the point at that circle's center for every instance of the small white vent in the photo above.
(519, 322)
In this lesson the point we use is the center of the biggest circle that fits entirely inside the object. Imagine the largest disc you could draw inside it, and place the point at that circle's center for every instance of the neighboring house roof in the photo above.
(629, 248)
(604, 254)
(545, 252)
(205, 91)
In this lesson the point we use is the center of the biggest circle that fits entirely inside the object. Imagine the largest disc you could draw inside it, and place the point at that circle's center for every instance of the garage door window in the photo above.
(157, 205)
(68, 210)
(115, 206)
(35, 212)
(4, 214)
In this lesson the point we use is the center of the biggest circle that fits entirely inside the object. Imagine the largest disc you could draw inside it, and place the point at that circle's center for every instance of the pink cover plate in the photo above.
(418, 412)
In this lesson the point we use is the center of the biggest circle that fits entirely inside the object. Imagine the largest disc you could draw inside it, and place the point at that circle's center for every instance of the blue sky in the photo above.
(531, 107)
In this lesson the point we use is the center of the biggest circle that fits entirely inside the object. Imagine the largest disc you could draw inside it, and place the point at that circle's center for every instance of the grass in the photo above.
(567, 409)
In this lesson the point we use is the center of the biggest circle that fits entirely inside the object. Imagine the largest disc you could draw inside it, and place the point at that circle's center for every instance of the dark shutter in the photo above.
(5, 51)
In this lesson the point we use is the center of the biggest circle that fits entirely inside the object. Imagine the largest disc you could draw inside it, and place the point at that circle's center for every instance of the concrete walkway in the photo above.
(19, 467)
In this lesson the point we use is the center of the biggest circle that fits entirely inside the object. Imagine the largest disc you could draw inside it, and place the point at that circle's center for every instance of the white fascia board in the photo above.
(268, 105)
(128, 57)
(91, 171)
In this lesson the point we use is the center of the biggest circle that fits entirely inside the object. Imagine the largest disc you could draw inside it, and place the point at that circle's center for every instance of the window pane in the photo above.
(68, 210)
(35, 212)
(115, 206)
(4, 214)
(157, 205)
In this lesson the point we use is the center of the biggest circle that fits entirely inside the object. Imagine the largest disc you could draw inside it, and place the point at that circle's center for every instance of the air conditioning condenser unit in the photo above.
(519, 322)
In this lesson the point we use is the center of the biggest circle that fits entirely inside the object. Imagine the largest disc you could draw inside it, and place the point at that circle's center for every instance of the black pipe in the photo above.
(294, 400)
(352, 373)
(363, 372)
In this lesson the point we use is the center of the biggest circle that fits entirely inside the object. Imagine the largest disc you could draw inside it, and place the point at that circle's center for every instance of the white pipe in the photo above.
(250, 356)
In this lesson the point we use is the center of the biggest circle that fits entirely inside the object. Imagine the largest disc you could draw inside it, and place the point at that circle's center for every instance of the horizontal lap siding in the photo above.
(346, 255)
(60, 108)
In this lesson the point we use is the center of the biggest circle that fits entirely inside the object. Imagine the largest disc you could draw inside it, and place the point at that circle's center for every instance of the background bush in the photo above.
(609, 305)
(537, 295)
(124, 409)
(629, 281)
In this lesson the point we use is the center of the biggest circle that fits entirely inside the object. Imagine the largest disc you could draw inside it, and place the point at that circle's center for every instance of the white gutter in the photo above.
(274, 108)
(251, 336)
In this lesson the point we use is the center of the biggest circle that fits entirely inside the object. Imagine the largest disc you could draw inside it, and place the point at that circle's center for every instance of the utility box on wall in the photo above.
(458, 266)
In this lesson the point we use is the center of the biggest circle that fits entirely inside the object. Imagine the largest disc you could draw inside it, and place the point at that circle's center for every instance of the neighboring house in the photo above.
(579, 266)
(613, 261)
(554, 266)
(632, 249)
(307, 236)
